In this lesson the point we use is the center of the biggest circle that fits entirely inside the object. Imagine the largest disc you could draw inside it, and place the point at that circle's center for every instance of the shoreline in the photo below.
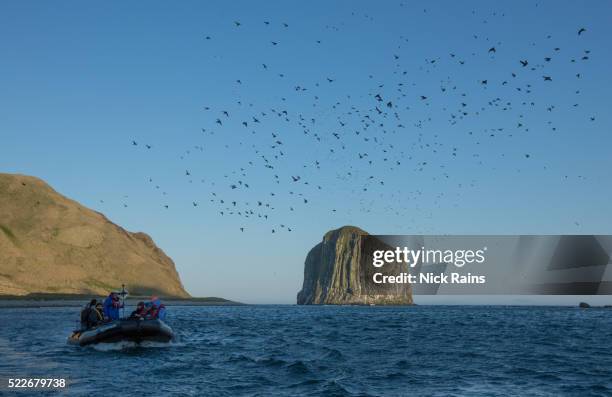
(41, 300)
(78, 300)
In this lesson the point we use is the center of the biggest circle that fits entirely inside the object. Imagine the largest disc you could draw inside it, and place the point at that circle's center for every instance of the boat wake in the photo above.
(126, 345)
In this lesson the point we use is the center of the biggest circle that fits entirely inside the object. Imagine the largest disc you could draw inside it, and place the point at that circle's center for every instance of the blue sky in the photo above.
(81, 81)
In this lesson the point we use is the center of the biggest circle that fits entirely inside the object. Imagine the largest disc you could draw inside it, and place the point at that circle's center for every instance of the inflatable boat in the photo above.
(129, 330)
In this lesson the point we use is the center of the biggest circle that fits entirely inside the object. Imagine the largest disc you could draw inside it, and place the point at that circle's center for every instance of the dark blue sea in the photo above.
(326, 351)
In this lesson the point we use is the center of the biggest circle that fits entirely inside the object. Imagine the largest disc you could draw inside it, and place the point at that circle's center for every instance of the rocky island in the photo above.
(338, 271)
(52, 244)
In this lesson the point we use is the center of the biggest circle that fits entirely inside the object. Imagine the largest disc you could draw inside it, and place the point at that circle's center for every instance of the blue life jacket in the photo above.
(111, 311)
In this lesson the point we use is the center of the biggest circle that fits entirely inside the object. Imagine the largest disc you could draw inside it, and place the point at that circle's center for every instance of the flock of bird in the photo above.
(318, 141)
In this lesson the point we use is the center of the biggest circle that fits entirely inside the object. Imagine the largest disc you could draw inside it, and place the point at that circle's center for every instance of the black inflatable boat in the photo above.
(130, 330)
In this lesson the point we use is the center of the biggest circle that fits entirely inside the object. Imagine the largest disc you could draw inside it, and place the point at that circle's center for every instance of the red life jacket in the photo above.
(154, 311)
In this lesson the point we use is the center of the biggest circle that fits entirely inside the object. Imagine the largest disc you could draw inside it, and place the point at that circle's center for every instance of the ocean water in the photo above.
(326, 351)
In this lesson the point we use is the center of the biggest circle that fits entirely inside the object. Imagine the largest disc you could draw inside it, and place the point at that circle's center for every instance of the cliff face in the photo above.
(51, 244)
(338, 270)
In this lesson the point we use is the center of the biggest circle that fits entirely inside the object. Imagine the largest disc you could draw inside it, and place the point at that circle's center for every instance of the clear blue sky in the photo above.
(80, 81)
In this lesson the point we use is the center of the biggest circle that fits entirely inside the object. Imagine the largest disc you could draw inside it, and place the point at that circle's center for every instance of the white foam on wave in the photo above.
(124, 345)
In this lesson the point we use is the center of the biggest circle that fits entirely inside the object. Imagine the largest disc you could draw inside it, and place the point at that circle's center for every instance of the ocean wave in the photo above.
(299, 368)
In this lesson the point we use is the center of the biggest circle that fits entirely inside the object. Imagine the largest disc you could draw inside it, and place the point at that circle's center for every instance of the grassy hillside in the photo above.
(51, 244)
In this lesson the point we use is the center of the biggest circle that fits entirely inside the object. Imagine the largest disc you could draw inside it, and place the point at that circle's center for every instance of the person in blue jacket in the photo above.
(112, 304)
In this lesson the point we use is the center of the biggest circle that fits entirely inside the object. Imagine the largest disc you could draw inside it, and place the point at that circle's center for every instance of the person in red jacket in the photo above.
(157, 309)
(140, 311)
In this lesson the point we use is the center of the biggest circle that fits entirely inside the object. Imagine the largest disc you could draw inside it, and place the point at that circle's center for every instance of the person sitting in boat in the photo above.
(91, 315)
(86, 314)
(112, 304)
(140, 311)
(157, 309)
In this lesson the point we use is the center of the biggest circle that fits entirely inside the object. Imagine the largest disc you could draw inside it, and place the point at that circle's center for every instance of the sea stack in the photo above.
(337, 272)
(52, 244)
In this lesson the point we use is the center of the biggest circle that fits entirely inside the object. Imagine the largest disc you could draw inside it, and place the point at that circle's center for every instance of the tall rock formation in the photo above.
(339, 270)
(51, 244)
